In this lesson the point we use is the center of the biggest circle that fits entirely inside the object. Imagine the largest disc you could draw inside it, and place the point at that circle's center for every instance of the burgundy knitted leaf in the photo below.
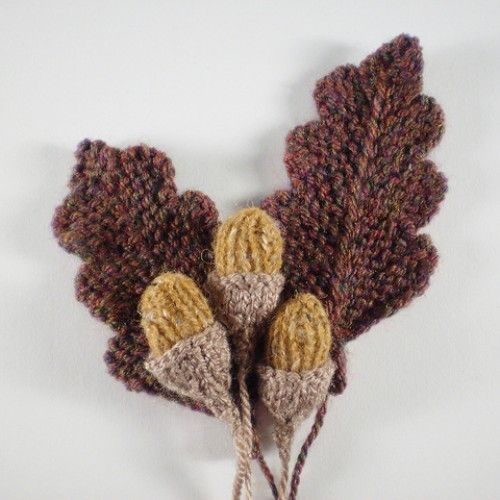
(124, 218)
(361, 189)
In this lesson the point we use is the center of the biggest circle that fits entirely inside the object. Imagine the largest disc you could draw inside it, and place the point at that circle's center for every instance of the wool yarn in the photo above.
(199, 367)
(248, 242)
(190, 354)
(299, 338)
(246, 286)
(190, 299)
(172, 308)
(361, 188)
(124, 218)
(299, 370)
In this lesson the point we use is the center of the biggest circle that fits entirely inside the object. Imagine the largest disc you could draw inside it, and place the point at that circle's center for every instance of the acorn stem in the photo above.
(283, 436)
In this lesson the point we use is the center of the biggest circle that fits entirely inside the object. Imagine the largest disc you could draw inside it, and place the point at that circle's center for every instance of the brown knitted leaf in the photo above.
(124, 218)
(361, 188)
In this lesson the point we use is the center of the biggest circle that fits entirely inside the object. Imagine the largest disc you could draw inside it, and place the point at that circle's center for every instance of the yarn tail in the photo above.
(246, 425)
(283, 437)
(301, 458)
(242, 455)
(266, 471)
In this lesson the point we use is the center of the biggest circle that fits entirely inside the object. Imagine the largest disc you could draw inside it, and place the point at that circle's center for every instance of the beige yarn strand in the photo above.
(243, 457)
(283, 436)
(244, 355)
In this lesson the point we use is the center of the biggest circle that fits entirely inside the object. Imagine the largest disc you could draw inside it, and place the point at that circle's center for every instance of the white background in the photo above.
(217, 85)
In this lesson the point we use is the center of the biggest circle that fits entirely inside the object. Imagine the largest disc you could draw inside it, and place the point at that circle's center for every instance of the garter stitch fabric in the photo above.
(124, 217)
(361, 189)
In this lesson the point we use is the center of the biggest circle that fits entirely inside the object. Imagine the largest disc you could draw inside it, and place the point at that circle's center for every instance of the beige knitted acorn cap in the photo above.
(189, 351)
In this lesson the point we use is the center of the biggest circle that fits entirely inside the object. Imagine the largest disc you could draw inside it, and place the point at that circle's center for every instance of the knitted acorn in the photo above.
(247, 281)
(190, 355)
(189, 351)
(246, 286)
(298, 370)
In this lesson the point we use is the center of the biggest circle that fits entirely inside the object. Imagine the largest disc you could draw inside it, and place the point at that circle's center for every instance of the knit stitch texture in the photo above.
(299, 338)
(124, 218)
(198, 367)
(172, 308)
(341, 249)
(361, 190)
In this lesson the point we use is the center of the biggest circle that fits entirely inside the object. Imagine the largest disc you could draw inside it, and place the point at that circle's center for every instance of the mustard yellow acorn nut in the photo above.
(299, 338)
(172, 308)
(248, 242)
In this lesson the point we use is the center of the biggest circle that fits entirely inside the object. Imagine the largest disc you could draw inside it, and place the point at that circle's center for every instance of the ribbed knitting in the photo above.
(172, 308)
(299, 338)
(248, 242)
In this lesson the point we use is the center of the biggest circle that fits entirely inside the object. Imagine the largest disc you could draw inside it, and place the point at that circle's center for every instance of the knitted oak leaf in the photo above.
(124, 218)
(361, 188)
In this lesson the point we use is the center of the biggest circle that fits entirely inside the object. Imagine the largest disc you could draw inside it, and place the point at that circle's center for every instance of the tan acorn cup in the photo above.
(189, 350)
(179, 327)
(246, 286)
(296, 375)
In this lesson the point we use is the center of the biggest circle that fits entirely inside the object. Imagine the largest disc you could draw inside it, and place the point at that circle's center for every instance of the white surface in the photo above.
(217, 85)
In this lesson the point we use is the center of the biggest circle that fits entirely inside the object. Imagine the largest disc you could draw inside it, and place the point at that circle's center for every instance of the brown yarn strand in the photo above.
(242, 479)
(266, 471)
(245, 475)
(304, 450)
(283, 437)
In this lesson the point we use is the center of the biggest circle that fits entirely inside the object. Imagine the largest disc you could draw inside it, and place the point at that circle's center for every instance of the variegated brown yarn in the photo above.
(361, 189)
(124, 218)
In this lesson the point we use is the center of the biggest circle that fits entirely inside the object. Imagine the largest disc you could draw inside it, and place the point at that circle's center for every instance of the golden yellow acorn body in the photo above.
(299, 338)
(172, 308)
(248, 242)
